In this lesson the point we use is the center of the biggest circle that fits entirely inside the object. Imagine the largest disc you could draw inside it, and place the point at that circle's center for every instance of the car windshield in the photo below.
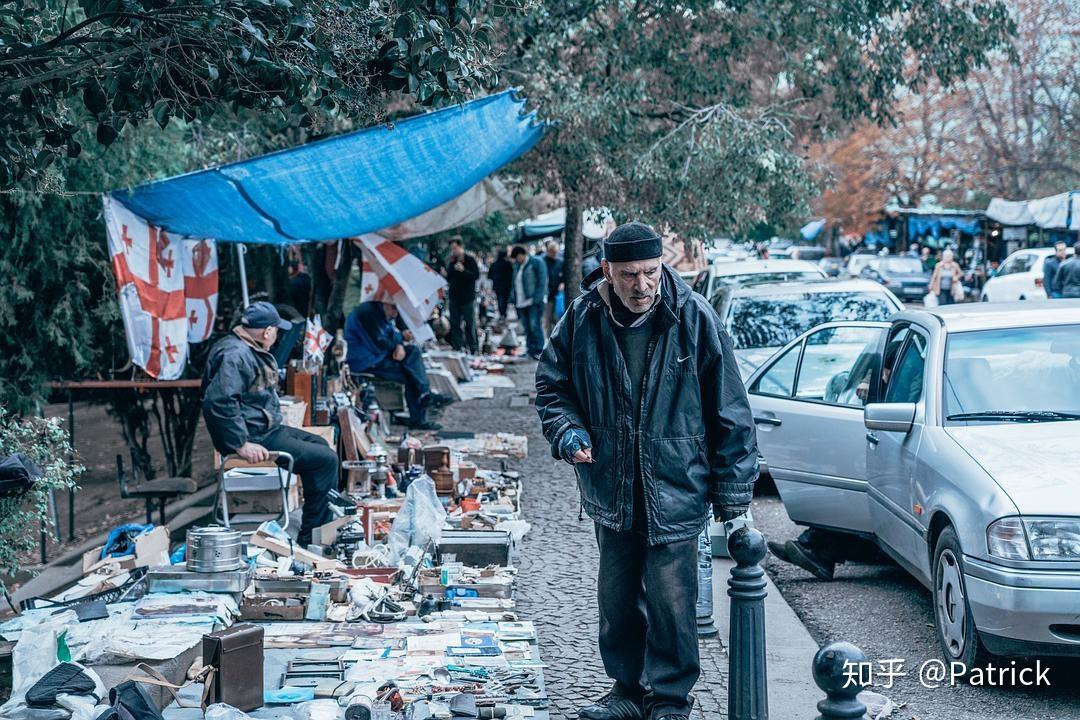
(900, 265)
(1014, 374)
(775, 320)
(767, 277)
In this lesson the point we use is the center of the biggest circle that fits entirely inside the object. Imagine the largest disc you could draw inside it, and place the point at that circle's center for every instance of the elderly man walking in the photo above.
(639, 390)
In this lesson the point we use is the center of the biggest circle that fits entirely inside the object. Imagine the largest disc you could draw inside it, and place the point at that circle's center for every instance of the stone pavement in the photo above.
(557, 581)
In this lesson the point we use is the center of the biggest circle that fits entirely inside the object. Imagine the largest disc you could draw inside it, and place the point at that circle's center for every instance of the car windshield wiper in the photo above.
(1019, 415)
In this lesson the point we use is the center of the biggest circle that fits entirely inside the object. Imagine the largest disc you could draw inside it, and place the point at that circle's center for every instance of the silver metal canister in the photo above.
(214, 549)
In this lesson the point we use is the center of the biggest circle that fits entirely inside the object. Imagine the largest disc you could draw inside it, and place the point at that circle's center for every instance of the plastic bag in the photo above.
(319, 710)
(930, 300)
(224, 711)
(420, 519)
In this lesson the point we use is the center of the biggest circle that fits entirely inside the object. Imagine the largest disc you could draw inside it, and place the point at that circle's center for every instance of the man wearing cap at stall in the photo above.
(240, 405)
(638, 389)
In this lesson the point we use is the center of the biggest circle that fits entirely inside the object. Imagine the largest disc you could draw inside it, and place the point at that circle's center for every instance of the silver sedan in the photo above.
(951, 437)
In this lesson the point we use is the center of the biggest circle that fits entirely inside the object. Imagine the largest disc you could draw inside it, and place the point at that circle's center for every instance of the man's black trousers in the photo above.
(648, 619)
(317, 465)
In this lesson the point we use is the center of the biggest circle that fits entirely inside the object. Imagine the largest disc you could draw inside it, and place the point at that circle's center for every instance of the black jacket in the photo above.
(240, 401)
(462, 282)
(699, 445)
(501, 274)
(1067, 280)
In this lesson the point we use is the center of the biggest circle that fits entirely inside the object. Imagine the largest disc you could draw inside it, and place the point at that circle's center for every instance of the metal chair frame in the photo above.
(252, 484)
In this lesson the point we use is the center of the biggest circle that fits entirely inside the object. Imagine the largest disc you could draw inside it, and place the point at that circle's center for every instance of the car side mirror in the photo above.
(890, 417)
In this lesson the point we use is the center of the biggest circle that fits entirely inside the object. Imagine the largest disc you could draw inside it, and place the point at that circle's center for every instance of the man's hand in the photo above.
(253, 452)
(459, 266)
(583, 456)
(407, 334)
(576, 446)
(399, 353)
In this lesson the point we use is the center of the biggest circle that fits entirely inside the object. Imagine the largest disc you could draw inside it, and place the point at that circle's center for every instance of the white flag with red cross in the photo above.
(393, 274)
(316, 340)
(154, 271)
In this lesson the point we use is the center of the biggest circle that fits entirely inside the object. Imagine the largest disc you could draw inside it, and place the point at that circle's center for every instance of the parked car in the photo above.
(949, 437)
(725, 274)
(856, 262)
(1020, 277)
(762, 318)
(902, 274)
(810, 253)
(831, 266)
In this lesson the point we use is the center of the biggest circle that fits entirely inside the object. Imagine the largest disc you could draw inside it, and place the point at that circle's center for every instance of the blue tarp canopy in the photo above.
(346, 185)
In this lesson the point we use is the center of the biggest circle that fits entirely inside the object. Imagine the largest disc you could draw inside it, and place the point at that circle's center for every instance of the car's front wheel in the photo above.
(956, 631)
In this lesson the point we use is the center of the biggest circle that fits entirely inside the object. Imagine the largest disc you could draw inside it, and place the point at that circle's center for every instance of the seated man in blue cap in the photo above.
(377, 347)
(240, 405)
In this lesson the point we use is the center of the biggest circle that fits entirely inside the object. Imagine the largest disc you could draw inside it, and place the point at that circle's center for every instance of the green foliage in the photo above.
(695, 114)
(45, 442)
(76, 74)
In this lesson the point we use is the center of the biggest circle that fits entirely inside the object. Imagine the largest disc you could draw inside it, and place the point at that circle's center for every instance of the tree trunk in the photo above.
(335, 310)
(574, 248)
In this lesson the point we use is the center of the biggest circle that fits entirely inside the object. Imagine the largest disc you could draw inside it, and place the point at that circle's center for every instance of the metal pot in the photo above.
(214, 549)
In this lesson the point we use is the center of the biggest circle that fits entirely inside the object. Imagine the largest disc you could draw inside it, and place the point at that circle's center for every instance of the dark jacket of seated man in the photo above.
(240, 406)
(377, 347)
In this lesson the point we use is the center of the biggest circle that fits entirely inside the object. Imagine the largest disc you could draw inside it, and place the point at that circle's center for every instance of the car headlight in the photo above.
(1005, 539)
(1015, 538)
(1054, 538)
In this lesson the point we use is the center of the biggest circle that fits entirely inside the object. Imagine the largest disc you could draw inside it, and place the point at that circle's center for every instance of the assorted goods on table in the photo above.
(402, 605)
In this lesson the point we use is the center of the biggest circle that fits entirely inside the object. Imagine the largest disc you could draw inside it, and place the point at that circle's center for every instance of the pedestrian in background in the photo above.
(947, 280)
(1067, 278)
(501, 275)
(913, 251)
(462, 273)
(1050, 268)
(553, 260)
(529, 292)
(639, 390)
(928, 260)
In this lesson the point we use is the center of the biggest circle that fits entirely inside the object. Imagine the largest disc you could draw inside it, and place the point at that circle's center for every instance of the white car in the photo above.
(728, 274)
(856, 262)
(1020, 277)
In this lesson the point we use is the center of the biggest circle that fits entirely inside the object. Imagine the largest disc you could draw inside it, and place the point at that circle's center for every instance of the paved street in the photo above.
(889, 614)
(559, 559)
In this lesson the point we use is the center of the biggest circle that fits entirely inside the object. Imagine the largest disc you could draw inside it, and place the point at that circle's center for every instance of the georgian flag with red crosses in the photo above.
(167, 287)
(393, 274)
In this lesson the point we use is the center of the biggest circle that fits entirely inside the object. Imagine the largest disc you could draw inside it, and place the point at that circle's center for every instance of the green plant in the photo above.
(45, 441)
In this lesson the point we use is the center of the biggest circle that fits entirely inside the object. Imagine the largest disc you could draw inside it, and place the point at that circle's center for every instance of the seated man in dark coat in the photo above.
(240, 406)
(376, 346)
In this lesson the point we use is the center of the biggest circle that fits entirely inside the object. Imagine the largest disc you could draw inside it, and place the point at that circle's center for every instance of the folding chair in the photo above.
(238, 476)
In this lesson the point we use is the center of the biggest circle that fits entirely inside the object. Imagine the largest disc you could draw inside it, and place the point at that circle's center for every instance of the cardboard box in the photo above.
(151, 548)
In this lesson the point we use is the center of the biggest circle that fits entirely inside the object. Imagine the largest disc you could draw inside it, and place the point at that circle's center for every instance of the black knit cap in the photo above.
(631, 242)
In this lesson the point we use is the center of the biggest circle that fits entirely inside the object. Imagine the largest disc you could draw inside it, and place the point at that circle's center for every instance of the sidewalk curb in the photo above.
(789, 648)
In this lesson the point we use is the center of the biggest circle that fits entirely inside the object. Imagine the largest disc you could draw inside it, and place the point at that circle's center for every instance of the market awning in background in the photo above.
(1057, 212)
(343, 186)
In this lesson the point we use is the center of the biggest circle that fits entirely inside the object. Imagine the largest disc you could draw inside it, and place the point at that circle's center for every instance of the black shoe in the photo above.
(434, 399)
(779, 549)
(613, 707)
(425, 426)
(809, 561)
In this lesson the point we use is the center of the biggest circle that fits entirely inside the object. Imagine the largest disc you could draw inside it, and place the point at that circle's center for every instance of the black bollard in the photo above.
(837, 671)
(748, 690)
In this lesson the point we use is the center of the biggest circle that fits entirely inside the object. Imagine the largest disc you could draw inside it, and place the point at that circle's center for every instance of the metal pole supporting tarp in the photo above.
(240, 250)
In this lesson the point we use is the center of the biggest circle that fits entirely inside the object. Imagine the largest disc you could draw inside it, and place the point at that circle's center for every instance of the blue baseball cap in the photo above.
(262, 314)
